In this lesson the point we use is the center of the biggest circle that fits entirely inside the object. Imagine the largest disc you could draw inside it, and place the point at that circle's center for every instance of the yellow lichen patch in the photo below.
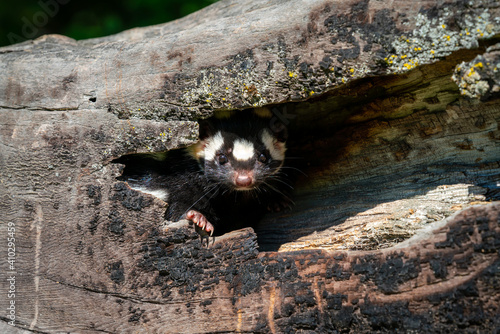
(433, 38)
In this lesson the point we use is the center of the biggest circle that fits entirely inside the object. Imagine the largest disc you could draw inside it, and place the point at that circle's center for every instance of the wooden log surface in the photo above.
(393, 114)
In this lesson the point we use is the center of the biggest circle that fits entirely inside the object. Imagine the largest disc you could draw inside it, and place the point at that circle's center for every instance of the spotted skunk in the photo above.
(226, 181)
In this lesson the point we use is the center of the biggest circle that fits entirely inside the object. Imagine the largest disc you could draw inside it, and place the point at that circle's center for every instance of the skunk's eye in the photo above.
(263, 158)
(222, 159)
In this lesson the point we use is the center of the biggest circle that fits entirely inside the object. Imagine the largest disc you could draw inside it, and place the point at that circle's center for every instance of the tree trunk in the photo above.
(393, 111)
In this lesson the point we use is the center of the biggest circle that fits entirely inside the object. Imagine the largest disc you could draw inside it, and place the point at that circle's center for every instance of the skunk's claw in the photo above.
(201, 225)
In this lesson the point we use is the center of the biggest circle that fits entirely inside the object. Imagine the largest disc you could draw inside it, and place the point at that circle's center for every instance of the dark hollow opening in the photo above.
(374, 141)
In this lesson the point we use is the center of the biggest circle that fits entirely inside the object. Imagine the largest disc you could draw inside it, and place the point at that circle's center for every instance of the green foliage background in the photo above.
(27, 19)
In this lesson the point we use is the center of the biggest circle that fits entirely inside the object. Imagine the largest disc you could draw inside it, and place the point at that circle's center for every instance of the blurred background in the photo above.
(21, 20)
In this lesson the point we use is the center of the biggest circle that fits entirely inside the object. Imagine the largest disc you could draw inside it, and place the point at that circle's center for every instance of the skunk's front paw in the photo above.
(200, 221)
(204, 228)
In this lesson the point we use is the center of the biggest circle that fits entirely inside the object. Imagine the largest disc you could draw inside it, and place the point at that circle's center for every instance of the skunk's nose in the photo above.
(243, 179)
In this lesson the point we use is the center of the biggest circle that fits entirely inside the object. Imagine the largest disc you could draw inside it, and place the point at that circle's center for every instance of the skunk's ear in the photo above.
(274, 123)
(279, 129)
(206, 130)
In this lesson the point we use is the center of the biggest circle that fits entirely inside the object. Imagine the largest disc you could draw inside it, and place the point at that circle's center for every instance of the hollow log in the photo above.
(393, 113)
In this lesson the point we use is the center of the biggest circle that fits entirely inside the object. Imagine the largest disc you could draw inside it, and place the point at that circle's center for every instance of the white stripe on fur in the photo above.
(243, 150)
(213, 145)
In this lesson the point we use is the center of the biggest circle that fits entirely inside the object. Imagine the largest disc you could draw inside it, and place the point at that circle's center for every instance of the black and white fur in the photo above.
(228, 179)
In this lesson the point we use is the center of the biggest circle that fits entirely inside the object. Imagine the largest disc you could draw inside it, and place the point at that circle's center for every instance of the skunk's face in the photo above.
(242, 163)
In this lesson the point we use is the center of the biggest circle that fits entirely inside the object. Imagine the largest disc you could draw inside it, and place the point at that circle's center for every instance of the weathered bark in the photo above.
(393, 112)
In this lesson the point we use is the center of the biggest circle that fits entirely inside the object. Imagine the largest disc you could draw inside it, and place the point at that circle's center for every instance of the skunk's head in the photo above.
(242, 153)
